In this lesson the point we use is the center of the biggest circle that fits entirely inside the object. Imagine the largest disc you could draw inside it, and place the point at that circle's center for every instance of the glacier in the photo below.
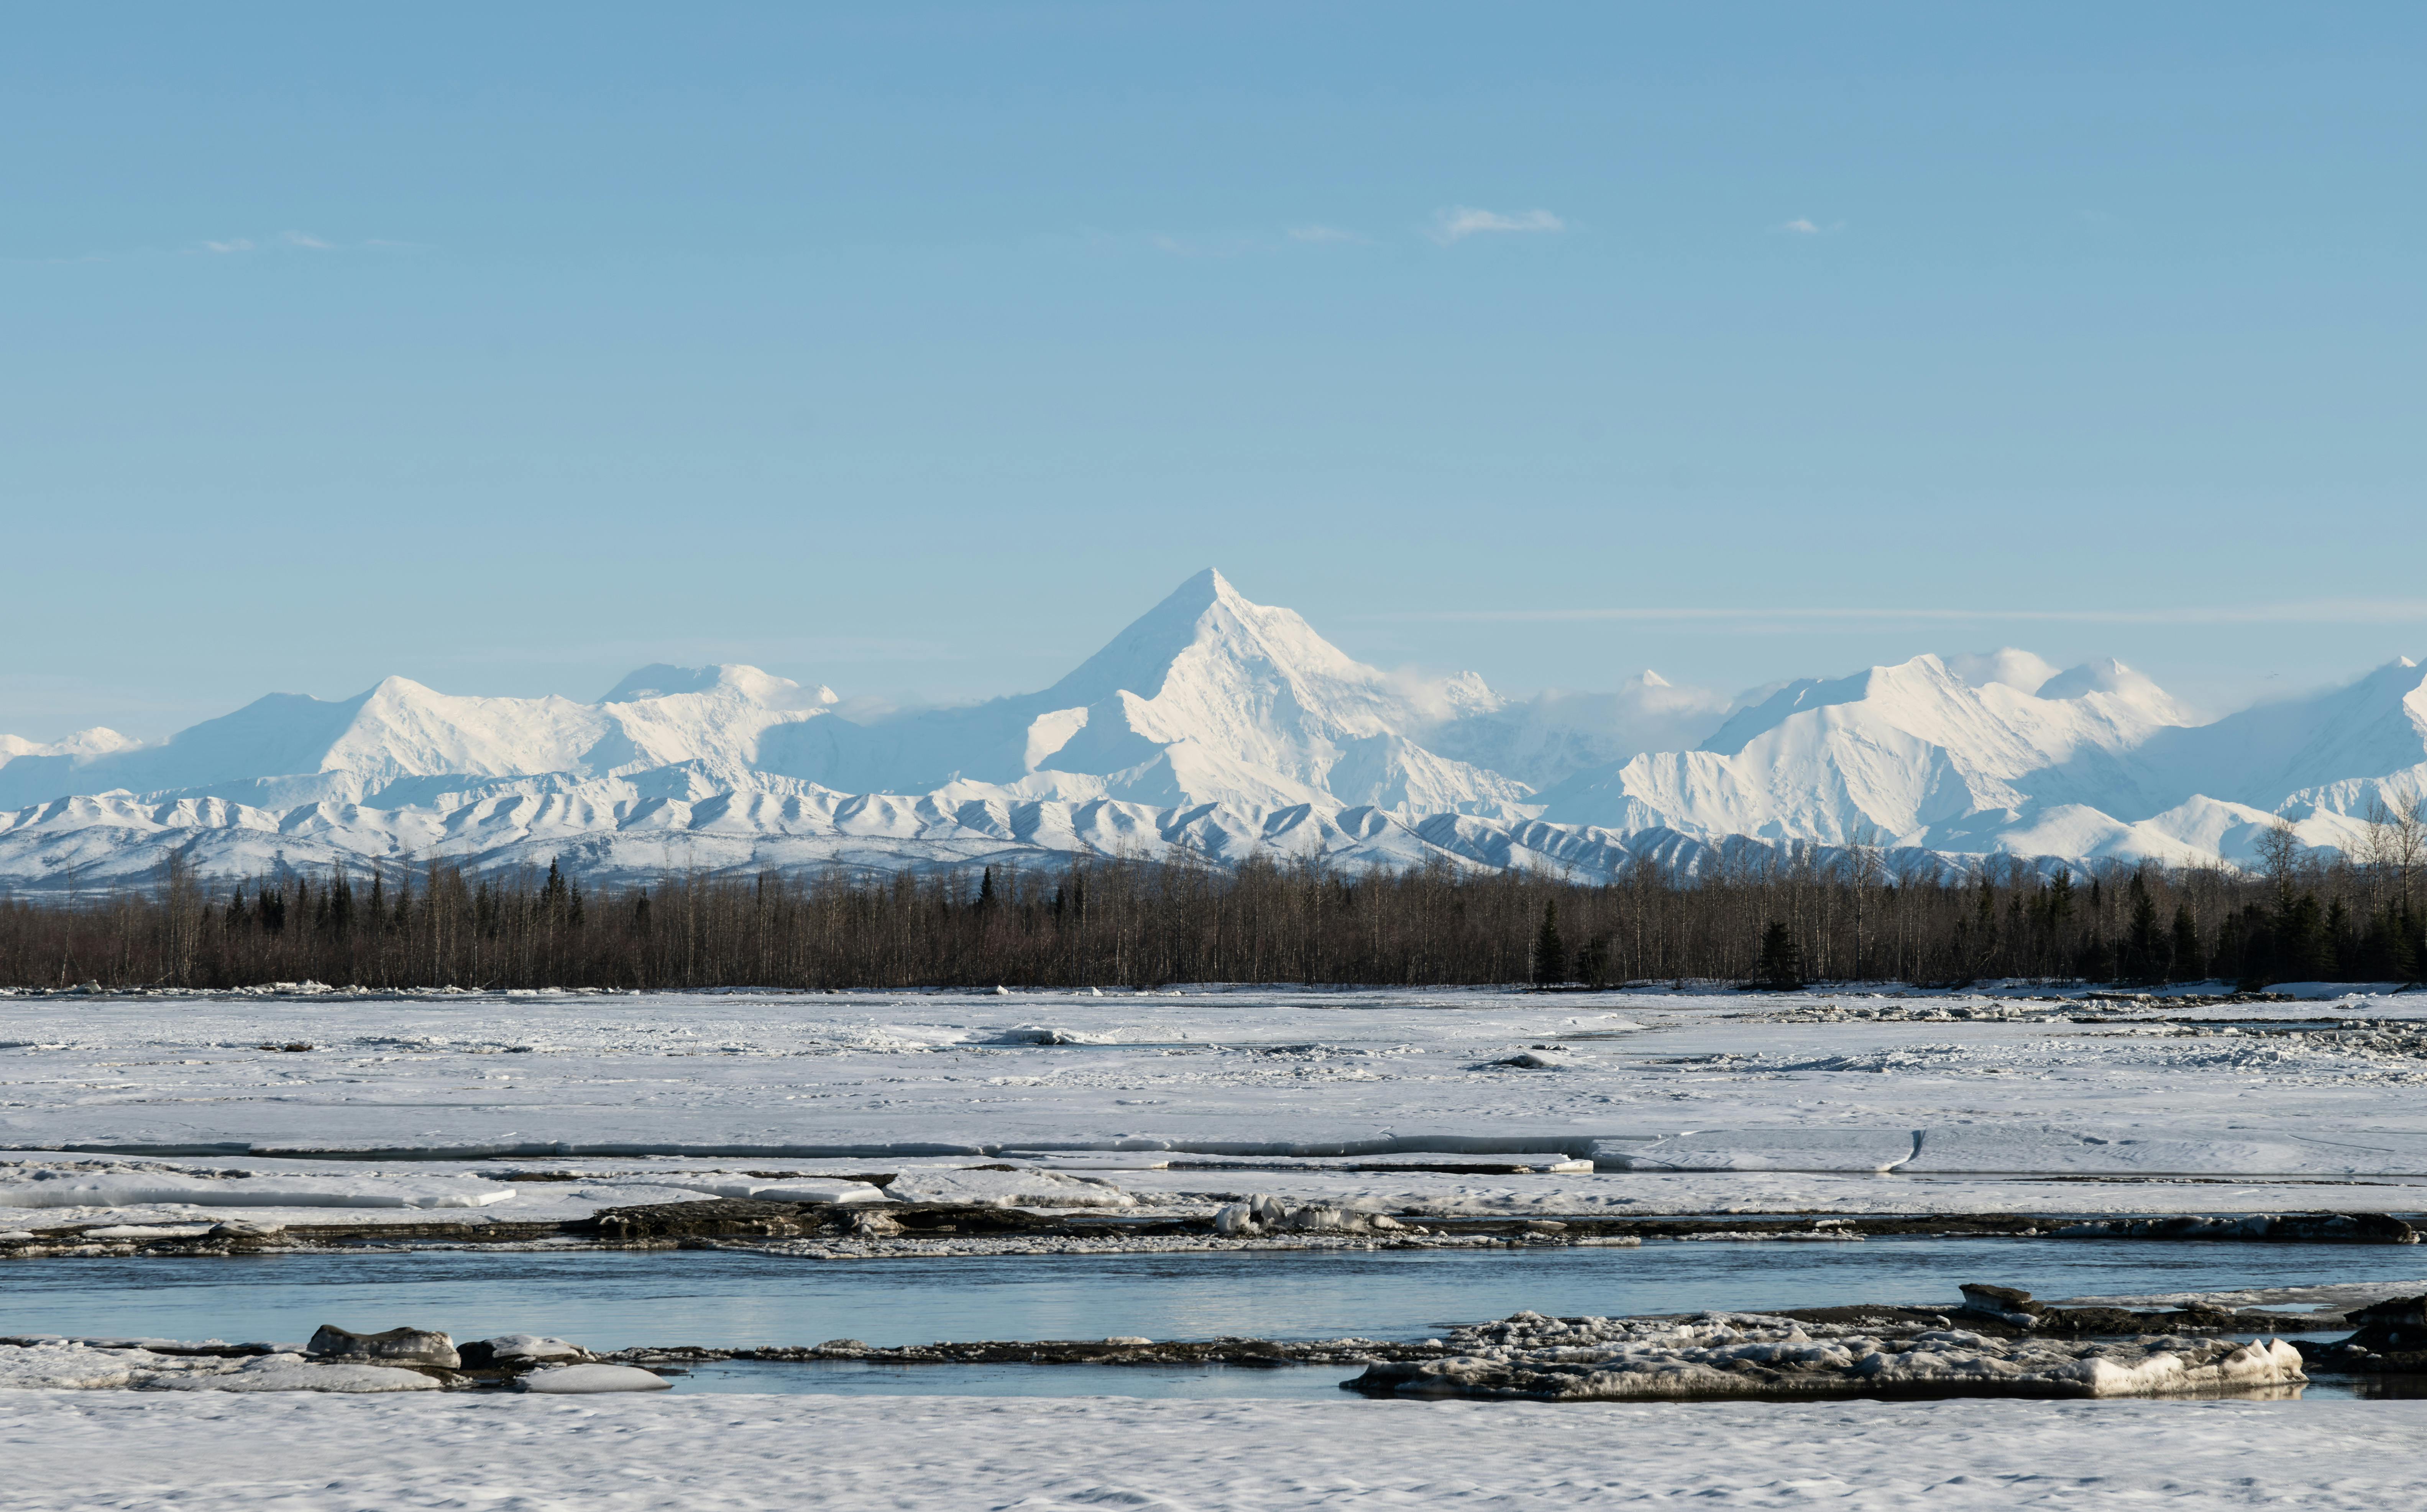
(1228, 729)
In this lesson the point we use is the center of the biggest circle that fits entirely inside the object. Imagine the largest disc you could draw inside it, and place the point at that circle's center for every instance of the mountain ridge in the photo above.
(1230, 727)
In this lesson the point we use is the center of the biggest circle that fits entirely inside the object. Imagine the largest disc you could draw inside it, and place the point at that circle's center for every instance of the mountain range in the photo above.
(1230, 727)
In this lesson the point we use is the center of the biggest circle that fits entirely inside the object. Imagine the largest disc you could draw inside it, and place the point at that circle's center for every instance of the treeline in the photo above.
(1778, 915)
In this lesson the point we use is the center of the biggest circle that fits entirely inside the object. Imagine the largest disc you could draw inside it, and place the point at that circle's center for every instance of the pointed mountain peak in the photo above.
(1211, 585)
(1204, 611)
(394, 687)
(1206, 590)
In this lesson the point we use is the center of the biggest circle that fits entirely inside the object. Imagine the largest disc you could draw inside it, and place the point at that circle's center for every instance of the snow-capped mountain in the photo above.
(289, 749)
(1915, 755)
(1230, 727)
(94, 742)
(1206, 699)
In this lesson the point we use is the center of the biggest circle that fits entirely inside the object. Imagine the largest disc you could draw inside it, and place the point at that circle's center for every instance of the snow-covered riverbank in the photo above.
(302, 1454)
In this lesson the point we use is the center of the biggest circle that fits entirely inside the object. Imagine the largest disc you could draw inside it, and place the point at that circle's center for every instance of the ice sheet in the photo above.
(1685, 1101)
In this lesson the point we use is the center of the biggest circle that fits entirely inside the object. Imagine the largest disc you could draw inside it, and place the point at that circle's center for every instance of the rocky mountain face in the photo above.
(1230, 727)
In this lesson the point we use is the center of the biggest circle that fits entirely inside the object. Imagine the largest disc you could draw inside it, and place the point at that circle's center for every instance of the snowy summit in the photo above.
(1228, 726)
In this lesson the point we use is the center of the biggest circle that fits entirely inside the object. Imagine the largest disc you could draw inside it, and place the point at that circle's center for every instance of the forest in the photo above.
(1778, 917)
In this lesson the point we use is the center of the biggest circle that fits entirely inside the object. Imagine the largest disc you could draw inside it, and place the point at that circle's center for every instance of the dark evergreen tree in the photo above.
(2302, 951)
(2185, 964)
(2142, 955)
(1549, 952)
(1592, 962)
(1782, 960)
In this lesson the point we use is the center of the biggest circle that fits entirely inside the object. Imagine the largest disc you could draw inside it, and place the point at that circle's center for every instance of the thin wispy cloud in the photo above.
(1459, 221)
(2323, 611)
(285, 240)
(228, 247)
(1805, 227)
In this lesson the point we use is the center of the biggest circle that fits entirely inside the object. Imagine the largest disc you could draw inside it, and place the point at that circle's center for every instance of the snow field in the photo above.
(305, 1453)
(1678, 1102)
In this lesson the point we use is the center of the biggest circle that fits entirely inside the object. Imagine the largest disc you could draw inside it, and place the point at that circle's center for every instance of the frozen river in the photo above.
(730, 1300)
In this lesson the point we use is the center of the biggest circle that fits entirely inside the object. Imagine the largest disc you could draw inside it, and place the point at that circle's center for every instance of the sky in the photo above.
(917, 349)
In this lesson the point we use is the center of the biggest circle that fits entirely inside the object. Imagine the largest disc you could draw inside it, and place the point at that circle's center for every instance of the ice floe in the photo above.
(127, 1186)
(72, 1365)
(1008, 1189)
(585, 1380)
(1724, 1355)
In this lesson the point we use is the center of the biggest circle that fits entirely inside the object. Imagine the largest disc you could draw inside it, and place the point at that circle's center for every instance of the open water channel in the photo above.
(733, 1300)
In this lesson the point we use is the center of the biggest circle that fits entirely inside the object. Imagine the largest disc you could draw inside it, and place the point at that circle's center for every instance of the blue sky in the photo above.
(915, 349)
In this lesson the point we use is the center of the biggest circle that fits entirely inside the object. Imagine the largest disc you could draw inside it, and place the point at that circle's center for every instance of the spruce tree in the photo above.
(1782, 962)
(2187, 964)
(2140, 939)
(1550, 953)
